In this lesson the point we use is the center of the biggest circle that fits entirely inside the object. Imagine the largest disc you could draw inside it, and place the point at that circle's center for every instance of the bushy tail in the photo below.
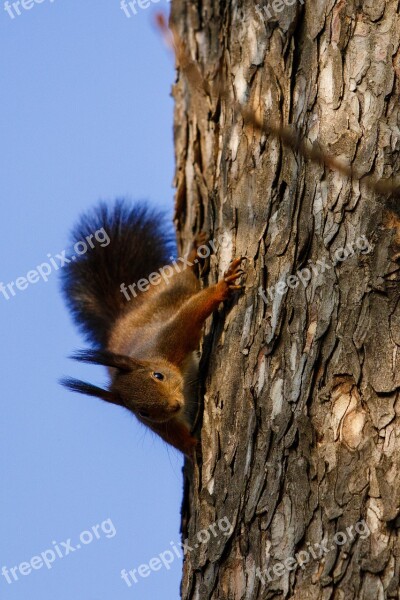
(125, 242)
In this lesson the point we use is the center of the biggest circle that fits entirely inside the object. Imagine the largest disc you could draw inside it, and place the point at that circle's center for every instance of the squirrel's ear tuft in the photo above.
(75, 385)
(123, 363)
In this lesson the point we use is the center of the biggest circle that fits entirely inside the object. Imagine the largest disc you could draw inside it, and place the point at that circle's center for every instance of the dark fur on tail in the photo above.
(141, 241)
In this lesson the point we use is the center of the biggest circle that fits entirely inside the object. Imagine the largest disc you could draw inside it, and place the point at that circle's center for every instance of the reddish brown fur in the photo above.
(166, 325)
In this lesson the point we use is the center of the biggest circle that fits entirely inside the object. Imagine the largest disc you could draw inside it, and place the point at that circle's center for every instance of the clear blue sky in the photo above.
(86, 114)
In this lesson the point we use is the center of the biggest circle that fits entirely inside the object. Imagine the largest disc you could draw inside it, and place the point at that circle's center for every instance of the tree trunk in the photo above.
(300, 434)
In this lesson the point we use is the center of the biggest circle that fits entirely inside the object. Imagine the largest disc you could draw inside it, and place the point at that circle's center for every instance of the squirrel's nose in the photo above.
(175, 407)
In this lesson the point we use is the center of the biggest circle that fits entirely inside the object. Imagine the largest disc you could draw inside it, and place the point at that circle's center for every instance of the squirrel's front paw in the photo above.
(232, 274)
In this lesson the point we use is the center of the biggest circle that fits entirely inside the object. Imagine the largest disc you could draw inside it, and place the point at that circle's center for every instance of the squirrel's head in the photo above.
(153, 390)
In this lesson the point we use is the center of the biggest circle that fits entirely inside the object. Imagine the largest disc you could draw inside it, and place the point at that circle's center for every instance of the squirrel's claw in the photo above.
(233, 272)
(234, 276)
(235, 263)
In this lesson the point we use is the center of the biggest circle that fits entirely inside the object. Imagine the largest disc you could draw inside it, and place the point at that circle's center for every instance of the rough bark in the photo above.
(300, 435)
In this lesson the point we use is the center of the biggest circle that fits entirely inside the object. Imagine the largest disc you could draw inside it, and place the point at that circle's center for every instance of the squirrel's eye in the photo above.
(144, 414)
(158, 376)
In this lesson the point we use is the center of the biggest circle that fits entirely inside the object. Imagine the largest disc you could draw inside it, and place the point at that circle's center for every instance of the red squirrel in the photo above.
(148, 342)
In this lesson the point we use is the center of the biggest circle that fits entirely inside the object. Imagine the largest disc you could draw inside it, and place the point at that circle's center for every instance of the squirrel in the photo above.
(149, 342)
